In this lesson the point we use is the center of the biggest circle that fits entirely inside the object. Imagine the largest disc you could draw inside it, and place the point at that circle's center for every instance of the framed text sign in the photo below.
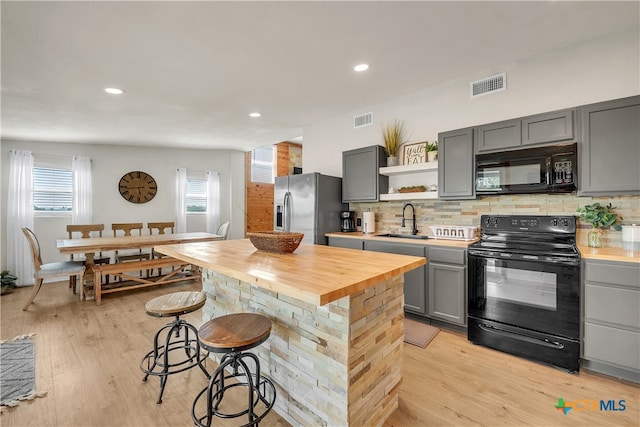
(415, 153)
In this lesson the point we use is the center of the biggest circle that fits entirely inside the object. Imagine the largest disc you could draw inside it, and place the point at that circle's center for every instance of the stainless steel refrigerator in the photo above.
(308, 203)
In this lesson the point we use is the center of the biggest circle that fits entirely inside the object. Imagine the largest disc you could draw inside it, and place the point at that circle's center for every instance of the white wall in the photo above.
(109, 163)
(598, 70)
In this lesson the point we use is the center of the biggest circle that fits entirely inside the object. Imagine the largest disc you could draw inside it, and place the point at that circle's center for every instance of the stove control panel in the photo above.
(540, 224)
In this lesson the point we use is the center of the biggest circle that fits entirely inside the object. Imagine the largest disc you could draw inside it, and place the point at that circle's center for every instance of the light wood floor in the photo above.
(88, 360)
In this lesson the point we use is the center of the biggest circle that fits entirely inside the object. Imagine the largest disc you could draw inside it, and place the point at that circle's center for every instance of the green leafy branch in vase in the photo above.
(599, 216)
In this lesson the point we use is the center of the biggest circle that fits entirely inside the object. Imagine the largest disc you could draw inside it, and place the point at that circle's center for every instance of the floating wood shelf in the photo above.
(407, 169)
(406, 196)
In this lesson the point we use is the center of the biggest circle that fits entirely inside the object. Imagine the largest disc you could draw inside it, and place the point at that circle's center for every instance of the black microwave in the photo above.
(549, 169)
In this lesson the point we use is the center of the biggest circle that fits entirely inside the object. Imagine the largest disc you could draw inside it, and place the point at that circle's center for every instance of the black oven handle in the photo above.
(544, 342)
(521, 257)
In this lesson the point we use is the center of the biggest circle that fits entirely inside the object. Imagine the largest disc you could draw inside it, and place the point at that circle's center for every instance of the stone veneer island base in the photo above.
(335, 350)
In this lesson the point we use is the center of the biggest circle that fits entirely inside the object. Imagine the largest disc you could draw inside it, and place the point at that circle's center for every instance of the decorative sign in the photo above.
(415, 153)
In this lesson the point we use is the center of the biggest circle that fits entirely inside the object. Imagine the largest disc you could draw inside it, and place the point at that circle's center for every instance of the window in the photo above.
(262, 164)
(52, 189)
(196, 196)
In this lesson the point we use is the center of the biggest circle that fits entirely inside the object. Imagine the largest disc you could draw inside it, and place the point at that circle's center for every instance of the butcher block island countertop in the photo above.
(336, 345)
(313, 273)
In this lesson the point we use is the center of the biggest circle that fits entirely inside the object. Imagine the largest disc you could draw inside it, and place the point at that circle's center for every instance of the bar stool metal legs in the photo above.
(232, 335)
(156, 362)
(175, 337)
(260, 389)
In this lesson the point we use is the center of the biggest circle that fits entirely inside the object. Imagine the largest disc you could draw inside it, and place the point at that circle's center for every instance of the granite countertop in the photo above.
(313, 273)
(430, 241)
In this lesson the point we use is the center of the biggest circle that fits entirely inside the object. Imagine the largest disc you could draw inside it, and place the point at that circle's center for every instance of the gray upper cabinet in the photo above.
(415, 281)
(610, 149)
(549, 127)
(456, 165)
(361, 179)
(544, 128)
(498, 136)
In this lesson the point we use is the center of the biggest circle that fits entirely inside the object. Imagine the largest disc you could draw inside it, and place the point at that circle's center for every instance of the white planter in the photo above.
(432, 156)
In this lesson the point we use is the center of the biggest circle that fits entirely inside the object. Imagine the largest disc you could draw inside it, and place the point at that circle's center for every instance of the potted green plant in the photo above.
(8, 281)
(599, 217)
(393, 136)
(432, 151)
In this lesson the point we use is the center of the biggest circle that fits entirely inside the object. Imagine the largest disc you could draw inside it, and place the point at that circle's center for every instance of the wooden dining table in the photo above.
(90, 246)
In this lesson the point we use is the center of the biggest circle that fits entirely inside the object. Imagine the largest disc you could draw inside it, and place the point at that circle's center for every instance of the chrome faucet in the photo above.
(414, 229)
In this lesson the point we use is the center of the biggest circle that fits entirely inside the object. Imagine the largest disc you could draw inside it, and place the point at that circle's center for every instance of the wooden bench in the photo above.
(134, 282)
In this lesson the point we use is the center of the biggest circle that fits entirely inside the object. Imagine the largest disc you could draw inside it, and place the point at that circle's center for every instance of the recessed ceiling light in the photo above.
(361, 67)
(114, 91)
(255, 115)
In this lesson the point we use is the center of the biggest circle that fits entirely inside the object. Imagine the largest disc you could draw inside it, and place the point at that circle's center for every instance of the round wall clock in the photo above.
(137, 187)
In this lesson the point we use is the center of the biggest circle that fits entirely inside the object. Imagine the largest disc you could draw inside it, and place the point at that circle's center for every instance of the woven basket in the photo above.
(414, 189)
(281, 242)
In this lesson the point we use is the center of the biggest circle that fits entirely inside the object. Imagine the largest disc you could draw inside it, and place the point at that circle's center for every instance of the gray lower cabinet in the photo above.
(345, 242)
(610, 150)
(361, 179)
(415, 281)
(611, 335)
(448, 285)
(456, 165)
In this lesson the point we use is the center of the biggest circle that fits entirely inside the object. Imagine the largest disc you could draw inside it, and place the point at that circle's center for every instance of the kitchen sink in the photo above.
(404, 236)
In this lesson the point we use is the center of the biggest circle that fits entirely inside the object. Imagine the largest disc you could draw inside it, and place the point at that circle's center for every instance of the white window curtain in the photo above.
(181, 200)
(20, 214)
(82, 212)
(213, 201)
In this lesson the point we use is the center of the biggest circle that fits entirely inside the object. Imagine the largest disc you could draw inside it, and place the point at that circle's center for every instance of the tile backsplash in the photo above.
(467, 212)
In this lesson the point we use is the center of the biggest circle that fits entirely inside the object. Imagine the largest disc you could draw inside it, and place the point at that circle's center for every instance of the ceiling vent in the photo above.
(492, 84)
(362, 120)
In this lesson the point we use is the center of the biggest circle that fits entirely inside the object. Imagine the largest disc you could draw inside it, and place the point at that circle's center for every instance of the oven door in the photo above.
(534, 295)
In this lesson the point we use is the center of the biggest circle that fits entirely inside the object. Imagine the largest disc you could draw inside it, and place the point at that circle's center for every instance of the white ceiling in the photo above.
(193, 71)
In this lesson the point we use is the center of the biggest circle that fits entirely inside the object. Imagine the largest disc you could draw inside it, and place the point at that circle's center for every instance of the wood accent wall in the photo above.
(259, 195)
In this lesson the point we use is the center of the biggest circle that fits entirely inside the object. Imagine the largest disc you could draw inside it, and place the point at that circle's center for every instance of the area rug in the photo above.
(418, 333)
(18, 371)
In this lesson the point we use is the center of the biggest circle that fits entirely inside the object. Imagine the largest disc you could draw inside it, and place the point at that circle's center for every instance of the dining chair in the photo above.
(130, 229)
(223, 230)
(86, 231)
(74, 270)
(160, 228)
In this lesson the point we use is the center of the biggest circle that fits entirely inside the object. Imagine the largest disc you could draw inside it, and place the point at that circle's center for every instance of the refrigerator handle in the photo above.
(287, 211)
(279, 217)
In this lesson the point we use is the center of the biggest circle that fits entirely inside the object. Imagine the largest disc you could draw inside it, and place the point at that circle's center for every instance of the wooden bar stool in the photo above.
(157, 362)
(232, 335)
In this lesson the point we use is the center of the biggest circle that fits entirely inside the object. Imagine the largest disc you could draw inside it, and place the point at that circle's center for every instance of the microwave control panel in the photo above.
(563, 172)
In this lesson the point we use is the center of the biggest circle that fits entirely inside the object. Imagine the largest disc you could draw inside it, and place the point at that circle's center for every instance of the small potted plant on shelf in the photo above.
(393, 136)
(8, 281)
(432, 151)
(599, 217)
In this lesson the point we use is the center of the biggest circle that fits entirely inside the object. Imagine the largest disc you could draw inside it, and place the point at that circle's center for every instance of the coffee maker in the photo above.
(347, 221)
